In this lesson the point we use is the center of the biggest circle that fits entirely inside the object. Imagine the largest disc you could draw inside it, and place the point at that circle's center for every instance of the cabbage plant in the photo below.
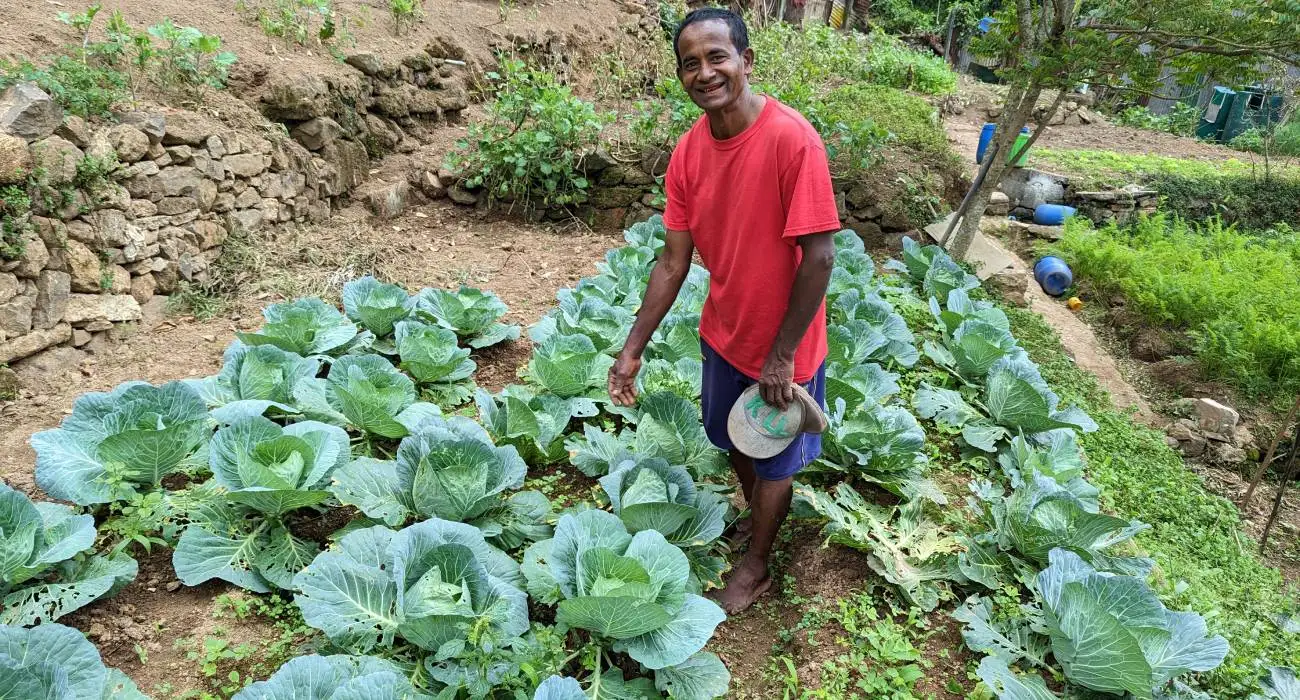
(605, 324)
(305, 327)
(560, 688)
(449, 470)
(878, 332)
(266, 472)
(365, 392)
(376, 306)
(932, 268)
(440, 367)
(473, 313)
(117, 444)
(429, 584)
(337, 677)
(650, 494)
(596, 452)
(54, 662)
(668, 426)
(42, 578)
(570, 366)
(534, 424)
(883, 444)
(1111, 633)
(254, 380)
(629, 591)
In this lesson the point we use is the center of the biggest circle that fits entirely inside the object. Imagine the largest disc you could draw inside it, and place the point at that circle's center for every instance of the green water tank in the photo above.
(1216, 113)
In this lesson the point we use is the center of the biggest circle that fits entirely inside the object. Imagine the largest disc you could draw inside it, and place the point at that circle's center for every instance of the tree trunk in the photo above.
(816, 12)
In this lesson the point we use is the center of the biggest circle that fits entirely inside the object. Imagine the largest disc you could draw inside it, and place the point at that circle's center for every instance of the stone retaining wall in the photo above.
(175, 185)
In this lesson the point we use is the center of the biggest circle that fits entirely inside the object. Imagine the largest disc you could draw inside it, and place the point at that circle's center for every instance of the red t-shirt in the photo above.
(744, 201)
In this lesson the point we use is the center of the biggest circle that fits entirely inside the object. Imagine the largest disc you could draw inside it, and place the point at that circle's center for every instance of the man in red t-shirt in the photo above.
(749, 188)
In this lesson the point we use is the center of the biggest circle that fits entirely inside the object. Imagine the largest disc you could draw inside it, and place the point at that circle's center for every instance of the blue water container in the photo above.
(986, 135)
(1052, 214)
(1053, 275)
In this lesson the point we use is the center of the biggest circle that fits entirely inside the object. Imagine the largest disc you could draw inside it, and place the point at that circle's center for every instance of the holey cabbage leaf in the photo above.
(628, 590)
(254, 380)
(901, 545)
(376, 305)
(534, 423)
(1111, 634)
(54, 662)
(337, 677)
(883, 444)
(266, 472)
(442, 369)
(305, 327)
(449, 470)
(365, 392)
(41, 576)
(120, 443)
(472, 313)
(650, 494)
(429, 584)
(570, 366)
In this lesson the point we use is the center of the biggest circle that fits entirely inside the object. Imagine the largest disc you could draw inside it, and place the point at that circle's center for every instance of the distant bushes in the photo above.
(825, 57)
(1234, 294)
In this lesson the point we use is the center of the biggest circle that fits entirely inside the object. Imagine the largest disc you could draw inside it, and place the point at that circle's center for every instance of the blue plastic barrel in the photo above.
(1052, 214)
(986, 135)
(1053, 275)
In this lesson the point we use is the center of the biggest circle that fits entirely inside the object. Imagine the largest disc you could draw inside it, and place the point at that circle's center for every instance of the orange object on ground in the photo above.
(1075, 303)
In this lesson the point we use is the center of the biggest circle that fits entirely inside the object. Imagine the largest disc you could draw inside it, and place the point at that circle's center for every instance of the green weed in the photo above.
(1181, 120)
(300, 22)
(195, 300)
(405, 13)
(84, 89)
(15, 205)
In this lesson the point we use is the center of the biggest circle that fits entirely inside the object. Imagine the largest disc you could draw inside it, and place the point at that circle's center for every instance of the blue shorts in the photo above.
(722, 385)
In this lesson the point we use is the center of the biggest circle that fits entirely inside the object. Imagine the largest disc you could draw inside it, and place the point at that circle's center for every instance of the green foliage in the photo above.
(57, 662)
(528, 149)
(1238, 192)
(1181, 120)
(1232, 293)
(910, 120)
(189, 61)
(1283, 140)
(405, 12)
(822, 56)
(84, 89)
(299, 21)
(15, 220)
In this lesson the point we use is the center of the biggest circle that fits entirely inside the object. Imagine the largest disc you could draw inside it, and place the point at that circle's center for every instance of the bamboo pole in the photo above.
(1258, 476)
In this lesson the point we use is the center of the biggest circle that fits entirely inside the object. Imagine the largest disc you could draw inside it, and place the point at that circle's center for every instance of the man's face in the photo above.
(712, 71)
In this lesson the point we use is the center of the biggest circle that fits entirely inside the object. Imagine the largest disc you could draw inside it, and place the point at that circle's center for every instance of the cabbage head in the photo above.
(365, 392)
(54, 662)
(570, 366)
(473, 313)
(120, 443)
(41, 576)
(429, 584)
(305, 327)
(376, 305)
(254, 380)
(449, 470)
(534, 423)
(440, 367)
(629, 590)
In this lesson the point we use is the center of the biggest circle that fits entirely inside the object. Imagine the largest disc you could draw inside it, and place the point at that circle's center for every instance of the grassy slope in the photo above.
(1206, 563)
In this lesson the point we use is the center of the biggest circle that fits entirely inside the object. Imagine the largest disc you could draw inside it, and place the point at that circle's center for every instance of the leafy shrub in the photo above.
(83, 89)
(298, 21)
(59, 663)
(823, 56)
(406, 12)
(1181, 120)
(1285, 140)
(189, 60)
(910, 120)
(528, 149)
(42, 575)
(1233, 293)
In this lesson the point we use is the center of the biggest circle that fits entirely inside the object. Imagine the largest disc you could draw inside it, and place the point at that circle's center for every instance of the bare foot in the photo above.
(741, 531)
(743, 587)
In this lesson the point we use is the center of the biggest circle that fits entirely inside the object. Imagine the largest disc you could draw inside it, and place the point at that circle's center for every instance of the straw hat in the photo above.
(760, 430)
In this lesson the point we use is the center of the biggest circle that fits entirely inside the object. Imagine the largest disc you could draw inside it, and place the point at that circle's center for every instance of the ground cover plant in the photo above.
(1226, 290)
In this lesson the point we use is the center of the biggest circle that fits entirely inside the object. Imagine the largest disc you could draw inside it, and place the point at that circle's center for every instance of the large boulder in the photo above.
(296, 96)
(27, 112)
(74, 129)
(34, 258)
(128, 142)
(317, 133)
(16, 316)
(1215, 417)
(56, 158)
(15, 159)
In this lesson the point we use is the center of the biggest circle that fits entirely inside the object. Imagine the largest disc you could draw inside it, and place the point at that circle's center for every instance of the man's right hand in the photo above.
(622, 379)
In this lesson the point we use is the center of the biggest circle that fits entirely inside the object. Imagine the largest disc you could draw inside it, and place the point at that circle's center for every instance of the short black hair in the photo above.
(735, 25)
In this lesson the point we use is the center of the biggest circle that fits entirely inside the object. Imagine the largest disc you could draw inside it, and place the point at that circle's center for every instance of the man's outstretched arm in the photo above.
(666, 280)
(810, 282)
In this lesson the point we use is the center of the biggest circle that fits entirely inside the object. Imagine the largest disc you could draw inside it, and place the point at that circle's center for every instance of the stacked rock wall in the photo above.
(171, 187)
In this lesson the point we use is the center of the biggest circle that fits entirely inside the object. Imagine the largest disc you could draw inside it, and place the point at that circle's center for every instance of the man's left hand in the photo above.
(776, 383)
